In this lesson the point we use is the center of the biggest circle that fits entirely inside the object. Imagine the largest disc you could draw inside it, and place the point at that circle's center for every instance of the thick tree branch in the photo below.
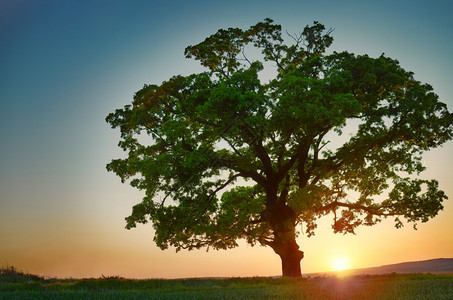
(304, 176)
(229, 164)
(290, 163)
(284, 193)
(256, 143)
(225, 184)
(232, 146)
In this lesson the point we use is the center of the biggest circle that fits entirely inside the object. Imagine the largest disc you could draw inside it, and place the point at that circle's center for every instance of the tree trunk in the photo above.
(291, 257)
(283, 222)
(285, 245)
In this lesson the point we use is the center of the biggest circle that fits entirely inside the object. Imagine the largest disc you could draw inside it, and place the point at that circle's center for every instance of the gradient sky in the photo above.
(64, 65)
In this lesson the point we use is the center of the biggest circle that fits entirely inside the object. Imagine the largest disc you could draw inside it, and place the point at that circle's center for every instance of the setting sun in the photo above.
(340, 263)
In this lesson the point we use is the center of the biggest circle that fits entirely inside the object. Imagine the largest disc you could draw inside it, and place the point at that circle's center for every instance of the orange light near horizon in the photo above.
(340, 263)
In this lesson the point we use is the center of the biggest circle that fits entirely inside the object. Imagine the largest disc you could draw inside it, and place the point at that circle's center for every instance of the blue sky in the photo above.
(64, 65)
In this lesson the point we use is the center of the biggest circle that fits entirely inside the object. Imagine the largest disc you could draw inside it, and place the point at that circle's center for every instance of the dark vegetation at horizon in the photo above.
(16, 284)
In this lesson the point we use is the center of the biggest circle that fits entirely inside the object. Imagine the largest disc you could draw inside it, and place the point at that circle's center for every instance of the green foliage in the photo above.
(230, 157)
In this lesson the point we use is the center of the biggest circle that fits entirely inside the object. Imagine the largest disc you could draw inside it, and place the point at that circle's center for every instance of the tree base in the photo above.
(291, 263)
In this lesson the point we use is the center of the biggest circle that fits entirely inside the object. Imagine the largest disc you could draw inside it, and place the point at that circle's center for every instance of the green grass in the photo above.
(15, 284)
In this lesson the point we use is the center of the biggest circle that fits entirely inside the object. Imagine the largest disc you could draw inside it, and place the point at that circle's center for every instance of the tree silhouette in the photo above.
(230, 157)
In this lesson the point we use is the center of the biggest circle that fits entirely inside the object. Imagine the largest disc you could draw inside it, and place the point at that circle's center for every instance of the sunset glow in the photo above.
(340, 263)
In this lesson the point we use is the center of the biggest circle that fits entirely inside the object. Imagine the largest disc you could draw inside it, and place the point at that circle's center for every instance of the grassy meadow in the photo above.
(15, 284)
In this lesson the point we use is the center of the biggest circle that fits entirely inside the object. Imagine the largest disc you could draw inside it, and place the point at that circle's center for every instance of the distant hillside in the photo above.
(440, 265)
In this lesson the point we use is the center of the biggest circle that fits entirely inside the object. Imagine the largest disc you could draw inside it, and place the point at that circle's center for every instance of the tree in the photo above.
(229, 157)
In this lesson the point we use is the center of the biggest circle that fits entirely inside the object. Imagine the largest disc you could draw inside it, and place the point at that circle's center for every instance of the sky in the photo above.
(65, 65)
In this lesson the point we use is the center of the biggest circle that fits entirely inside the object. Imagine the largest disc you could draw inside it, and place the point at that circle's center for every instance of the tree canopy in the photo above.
(229, 156)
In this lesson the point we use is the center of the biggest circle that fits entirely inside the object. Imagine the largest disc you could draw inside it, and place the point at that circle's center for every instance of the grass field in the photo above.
(18, 285)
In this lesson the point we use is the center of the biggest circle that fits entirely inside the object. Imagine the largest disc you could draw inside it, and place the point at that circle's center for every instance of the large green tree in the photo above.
(228, 156)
